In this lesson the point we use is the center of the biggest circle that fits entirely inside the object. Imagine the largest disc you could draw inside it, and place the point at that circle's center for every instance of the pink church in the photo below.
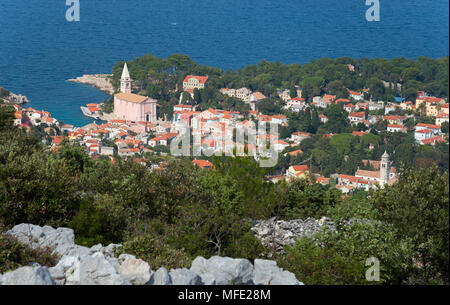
(133, 107)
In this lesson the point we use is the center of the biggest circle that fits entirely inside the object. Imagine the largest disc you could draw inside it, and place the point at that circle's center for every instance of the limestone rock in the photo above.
(160, 277)
(223, 270)
(268, 273)
(136, 271)
(97, 270)
(185, 277)
(28, 276)
(61, 240)
(275, 234)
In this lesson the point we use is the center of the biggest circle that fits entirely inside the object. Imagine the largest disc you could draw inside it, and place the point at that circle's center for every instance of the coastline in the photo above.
(99, 81)
(103, 83)
(13, 98)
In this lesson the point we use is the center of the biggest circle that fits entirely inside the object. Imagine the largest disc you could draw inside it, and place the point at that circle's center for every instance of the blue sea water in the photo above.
(40, 50)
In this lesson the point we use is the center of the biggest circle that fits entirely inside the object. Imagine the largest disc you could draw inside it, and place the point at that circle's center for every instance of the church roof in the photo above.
(125, 73)
(366, 173)
(385, 155)
(134, 98)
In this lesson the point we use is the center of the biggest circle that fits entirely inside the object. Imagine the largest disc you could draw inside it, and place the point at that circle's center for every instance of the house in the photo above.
(299, 136)
(204, 164)
(257, 96)
(357, 96)
(107, 151)
(328, 99)
(192, 82)
(434, 128)
(280, 145)
(296, 104)
(323, 118)
(390, 108)
(356, 117)
(423, 134)
(285, 95)
(350, 108)
(394, 119)
(433, 140)
(342, 100)
(376, 106)
(347, 180)
(243, 94)
(441, 118)
(128, 152)
(297, 171)
(294, 153)
(162, 140)
(396, 128)
(323, 180)
(279, 119)
(346, 189)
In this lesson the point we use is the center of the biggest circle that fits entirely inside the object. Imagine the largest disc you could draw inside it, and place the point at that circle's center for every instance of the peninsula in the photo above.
(100, 81)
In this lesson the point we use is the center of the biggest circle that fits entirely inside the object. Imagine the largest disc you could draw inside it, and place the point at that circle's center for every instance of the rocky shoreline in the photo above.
(99, 265)
(99, 81)
(12, 97)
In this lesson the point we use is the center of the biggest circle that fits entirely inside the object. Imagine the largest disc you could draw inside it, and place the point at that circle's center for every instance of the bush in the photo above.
(315, 265)
(156, 252)
(13, 255)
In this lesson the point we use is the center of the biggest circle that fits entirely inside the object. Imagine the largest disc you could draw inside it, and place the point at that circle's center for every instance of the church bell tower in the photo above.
(125, 80)
(385, 168)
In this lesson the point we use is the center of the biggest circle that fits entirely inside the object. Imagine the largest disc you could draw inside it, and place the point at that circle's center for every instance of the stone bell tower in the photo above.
(125, 80)
(385, 168)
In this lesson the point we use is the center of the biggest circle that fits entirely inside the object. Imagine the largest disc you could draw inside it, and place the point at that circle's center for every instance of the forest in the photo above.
(386, 78)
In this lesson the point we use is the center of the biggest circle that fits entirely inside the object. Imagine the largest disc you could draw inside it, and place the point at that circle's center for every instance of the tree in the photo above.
(418, 207)
(337, 88)
(444, 127)
(337, 119)
(376, 88)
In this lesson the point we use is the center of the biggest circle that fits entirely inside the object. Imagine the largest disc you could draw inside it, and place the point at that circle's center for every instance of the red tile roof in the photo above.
(202, 79)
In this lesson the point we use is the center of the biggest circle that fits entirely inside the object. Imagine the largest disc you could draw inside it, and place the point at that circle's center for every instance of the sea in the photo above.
(40, 49)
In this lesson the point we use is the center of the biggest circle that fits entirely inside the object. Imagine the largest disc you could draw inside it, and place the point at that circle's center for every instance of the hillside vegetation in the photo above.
(169, 217)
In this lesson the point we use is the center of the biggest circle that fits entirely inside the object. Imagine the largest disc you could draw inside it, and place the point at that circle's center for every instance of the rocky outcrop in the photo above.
(268, 273)
(223, 270)
(12, 98)
(27, 275)
(275, 234)
(99, 81)
(100, 265)
(135, 270)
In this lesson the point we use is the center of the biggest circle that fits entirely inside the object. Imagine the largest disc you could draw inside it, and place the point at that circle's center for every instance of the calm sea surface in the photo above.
(40, 50)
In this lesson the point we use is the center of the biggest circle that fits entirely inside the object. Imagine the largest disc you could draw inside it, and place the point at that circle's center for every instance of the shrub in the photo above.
(156, 252)
(14, 254)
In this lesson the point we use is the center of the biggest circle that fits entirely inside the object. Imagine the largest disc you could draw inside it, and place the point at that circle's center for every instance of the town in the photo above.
(137, 131)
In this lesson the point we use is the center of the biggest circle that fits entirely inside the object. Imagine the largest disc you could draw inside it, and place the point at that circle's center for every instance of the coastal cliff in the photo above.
(12, 98)
(100, 81)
